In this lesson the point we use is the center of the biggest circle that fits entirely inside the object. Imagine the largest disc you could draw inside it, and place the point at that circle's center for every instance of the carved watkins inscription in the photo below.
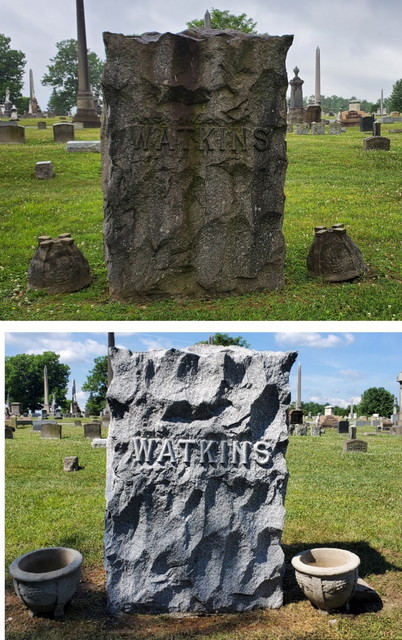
(224, 452)
(205, 138)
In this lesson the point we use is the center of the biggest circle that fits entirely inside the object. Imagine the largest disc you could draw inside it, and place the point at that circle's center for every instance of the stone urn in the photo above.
(333, 256)
(327, 576)
(46, 579)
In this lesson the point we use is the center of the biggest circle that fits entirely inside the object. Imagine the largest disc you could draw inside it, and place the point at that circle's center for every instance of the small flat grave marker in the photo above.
(355, 445)
(71, 463)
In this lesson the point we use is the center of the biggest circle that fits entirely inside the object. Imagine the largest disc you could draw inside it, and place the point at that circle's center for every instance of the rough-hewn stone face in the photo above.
(196, 478)
(194, 162)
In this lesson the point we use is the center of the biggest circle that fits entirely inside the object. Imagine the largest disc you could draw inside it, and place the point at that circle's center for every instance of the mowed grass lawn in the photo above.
(330, 179)
(352, 501)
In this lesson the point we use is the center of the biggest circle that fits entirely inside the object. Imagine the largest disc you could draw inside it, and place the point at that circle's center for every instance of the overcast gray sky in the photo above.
(360, 40)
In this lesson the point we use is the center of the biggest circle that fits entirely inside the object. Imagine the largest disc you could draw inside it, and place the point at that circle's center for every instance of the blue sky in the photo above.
(336, 367)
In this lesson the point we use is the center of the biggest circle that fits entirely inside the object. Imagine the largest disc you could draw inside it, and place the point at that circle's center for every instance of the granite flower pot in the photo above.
(46, 579)
(327, 576)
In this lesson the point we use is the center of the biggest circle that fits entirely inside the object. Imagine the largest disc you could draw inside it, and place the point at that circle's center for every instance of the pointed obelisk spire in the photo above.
(45, 390)
(85, 100)
(317, 76)
(207, 20)
(298, 389)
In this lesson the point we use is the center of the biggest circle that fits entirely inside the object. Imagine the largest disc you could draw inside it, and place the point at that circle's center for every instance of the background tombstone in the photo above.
(214, 453)
(355, 445)
(367, 123)
(63, 132)
(312, 113)
(9, 433)
(376, 143)
(51, 431)
(202, 213)
(71, 463)
(302, 129)
(335, 128)
(343, 426)
(42, 125)
(318, 128)
(92, 430)
(296, 105)
(12, 134)
(15, 408)
(44, 170)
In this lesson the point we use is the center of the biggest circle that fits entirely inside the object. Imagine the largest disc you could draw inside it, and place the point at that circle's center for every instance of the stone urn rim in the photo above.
(23, 575)
(342, 561)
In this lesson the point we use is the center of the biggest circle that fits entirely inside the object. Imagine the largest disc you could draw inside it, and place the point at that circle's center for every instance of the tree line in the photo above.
(62, 73)
(24, 383)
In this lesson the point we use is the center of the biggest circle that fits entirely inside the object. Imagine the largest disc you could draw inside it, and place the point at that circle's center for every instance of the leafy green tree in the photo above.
(96, 384)
(24, 379)
(226, 20)
(62, 75)
(224, 340)
(12, 63)
(395, 99)
(376, 400)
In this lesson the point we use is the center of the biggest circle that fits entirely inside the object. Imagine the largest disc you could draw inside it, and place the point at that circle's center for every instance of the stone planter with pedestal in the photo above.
(327, 576)
(46, 579)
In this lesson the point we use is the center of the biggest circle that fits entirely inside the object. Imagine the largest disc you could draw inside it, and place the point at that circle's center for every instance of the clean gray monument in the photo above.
(194, 162)
(296, 105)
(85, 100)
(196, 479)
(51, 431)
(92, 430)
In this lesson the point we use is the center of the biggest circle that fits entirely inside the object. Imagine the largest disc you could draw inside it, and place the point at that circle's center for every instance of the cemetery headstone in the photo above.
(99, 443)
(318, 128)
(51, 431)
(300, 430)
(58, 266)
(376, 143)
(16, 408)
(92, 430)
(355, 445)
(202, 118)
(71, 463)
(196, 479)
(333, 256)
(82, 146)
(77, 423)
(343, 426)
(44, 170)
(396, 430)
(63, 132)
(315, 430)
(41, 125)
(352, 432)
(11, 134)
(335, 128)
(313, 113)
(367, 123)
(302, 129)
(9, 432)
(376, 128)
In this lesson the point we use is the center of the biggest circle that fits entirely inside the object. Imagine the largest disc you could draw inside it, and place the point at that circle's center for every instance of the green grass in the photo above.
(348, 500)
(329, 179)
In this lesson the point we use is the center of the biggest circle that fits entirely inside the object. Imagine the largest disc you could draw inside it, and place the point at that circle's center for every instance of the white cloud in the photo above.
(314, 340)
(352, 374)
(68, 348)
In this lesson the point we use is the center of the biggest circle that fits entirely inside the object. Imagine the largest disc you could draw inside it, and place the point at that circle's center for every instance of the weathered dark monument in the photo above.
(194, 162)
(85, 100)
(296, 105)
(333, 256)
(196, 479)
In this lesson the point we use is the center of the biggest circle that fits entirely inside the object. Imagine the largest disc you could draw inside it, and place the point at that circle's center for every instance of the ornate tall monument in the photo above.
(296, 107)
(85, 100)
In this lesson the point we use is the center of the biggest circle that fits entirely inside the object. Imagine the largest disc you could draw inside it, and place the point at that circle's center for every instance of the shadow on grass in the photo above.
(372, 562)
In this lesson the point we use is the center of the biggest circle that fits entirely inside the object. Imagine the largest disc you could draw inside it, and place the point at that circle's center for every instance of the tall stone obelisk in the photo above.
(298, 389)
(46, 406)
(85, 100)
(317, 76)
(33, 103)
